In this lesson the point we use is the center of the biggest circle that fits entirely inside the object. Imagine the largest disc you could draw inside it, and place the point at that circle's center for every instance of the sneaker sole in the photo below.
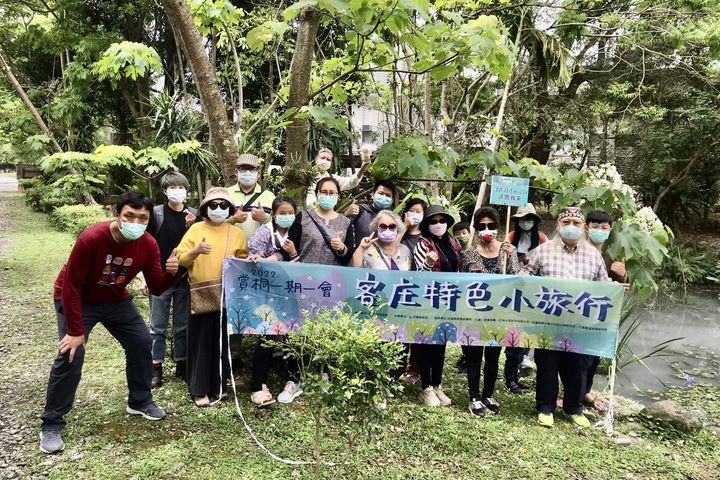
(48, 451)
(132, 411)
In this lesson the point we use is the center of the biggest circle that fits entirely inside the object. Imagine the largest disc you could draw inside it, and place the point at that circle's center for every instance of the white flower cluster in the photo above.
(647, 220)
(606, 175)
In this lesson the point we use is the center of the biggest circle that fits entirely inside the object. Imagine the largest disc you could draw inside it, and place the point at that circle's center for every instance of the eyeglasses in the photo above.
(216, 205)
(384, 226)
(437, 220)
(246, 168)
(328, 193)
(487, 226)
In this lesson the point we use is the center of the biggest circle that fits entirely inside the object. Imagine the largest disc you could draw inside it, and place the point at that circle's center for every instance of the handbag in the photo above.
(205, 297)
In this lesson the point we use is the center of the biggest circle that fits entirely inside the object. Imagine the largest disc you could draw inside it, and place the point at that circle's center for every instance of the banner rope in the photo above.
(238, 409)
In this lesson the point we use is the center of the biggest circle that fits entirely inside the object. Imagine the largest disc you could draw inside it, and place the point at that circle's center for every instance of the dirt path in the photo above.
(15, 435)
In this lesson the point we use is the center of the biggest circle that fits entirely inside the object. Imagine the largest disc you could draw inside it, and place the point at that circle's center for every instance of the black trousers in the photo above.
(263, 360)
(124, 323)
(572, 368)
(207, 344)
(432, 360)
(473, 357)
(593, 362)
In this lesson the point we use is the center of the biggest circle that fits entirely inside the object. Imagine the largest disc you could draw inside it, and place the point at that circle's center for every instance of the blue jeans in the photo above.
(513, 359)
(179, 296)
(124, 323)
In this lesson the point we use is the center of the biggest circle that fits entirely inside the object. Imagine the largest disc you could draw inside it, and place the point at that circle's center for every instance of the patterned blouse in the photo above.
(267, 242)
(473, 261)
(310, 242)
(379, 259)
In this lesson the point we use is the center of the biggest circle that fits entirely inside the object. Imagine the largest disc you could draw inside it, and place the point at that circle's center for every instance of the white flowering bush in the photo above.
(647, 220)
(607, 176)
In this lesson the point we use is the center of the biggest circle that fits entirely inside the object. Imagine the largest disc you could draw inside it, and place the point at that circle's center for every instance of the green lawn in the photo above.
(102, 441)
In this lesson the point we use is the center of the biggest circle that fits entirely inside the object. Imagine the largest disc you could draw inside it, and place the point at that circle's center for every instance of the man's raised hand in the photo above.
(172, 264)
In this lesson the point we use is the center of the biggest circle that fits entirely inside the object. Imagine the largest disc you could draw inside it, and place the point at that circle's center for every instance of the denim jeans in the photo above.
(179, 296)
(513, 359)
(124, 323)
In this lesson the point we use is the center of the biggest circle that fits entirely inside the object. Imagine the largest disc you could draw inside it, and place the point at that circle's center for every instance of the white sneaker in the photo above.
(444, 399)
(527, 364)
(291, 391)
(429, 397)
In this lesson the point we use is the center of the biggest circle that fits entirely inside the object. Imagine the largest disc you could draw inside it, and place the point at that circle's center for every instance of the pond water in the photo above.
(693, 359)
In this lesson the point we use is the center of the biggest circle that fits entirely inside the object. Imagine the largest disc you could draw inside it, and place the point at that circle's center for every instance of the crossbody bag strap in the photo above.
(252, 199)
(382, 256)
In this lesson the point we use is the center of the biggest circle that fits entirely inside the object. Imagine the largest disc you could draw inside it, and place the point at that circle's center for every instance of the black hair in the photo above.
(135, 200)
(534, 233)
(488, 212)
(415, 201)
(324, 180)
(387, 184)
(461, 226)
(280, 200)
(598, 216)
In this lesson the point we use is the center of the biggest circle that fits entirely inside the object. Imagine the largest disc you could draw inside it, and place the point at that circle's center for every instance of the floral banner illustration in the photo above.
(272, 298)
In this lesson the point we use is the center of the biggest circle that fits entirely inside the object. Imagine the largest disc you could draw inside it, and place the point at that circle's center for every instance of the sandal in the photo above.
(262, 398)
(201, 401)
(594, 402)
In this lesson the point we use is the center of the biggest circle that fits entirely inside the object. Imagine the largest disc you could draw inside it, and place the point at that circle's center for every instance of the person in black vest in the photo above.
(168, 223)
(383, 197)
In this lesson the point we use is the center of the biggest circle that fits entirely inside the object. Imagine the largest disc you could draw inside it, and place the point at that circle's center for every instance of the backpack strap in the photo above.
(159, 217)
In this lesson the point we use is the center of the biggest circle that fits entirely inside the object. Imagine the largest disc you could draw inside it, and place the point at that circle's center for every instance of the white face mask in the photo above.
(218, 215)
(176, 195)
(247, 178)
(414, 217)
(324, 165)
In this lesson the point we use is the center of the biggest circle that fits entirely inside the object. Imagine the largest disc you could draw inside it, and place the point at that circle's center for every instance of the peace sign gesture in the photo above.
(367, 241)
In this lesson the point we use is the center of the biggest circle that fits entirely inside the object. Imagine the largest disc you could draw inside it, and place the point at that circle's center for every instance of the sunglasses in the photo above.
(216, 205)
(435, 221)
(488, 226)
(383, 226)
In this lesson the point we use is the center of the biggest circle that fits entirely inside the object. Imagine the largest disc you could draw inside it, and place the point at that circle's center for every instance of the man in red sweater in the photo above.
(91, 289)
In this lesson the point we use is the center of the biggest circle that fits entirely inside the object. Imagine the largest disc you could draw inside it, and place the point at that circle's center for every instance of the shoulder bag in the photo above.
(205, 297)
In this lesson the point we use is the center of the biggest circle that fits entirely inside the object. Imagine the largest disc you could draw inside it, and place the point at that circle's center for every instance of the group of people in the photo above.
(174, 248)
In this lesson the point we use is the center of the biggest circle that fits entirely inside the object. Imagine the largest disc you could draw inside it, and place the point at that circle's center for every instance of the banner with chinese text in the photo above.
(271, 298)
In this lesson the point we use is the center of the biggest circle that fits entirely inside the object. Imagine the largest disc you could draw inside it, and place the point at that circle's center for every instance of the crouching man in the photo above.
(91, 289)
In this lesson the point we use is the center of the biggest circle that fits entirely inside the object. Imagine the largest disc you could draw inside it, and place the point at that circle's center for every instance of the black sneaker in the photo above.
(491, 404)
(477, 408)
(514, 387)
(157, 374)
(181, 369)
(150, 412)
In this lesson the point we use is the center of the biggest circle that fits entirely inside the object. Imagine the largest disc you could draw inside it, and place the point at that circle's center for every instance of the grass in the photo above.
(102, 441)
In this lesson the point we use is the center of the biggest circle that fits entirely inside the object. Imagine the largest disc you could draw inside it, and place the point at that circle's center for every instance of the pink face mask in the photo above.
(438, 229)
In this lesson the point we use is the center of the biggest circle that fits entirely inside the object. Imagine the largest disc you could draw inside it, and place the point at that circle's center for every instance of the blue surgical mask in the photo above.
(382, 202)
(415, 217)
(285, 221)
(570, 232)
(218, 215)
(526, 225)
(327, 202)
(598, 236)
(247, 178)
(132, 231)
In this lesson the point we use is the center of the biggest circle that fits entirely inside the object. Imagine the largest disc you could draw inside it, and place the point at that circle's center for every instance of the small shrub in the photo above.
(76, 218)
(45, 198)
(345, 370)
(687, 266)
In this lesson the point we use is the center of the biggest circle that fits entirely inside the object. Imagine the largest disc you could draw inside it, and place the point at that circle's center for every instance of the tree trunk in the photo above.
(87, 196)
(297, 167)
(221, 131)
